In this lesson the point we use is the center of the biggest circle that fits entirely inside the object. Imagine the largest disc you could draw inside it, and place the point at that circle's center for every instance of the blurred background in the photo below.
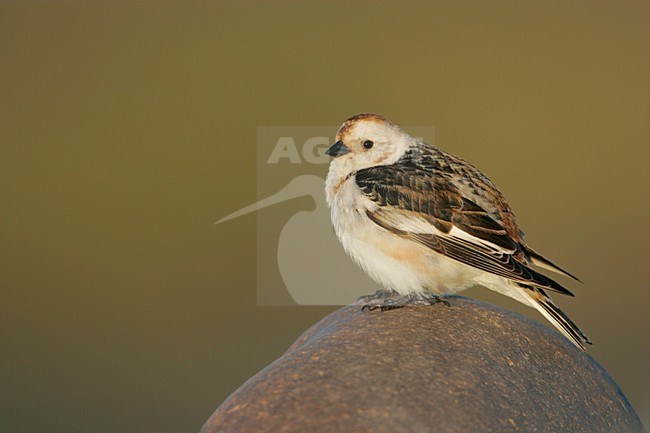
(129, 128)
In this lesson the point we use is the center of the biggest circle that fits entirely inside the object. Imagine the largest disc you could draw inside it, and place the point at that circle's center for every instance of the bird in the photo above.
(423, 223)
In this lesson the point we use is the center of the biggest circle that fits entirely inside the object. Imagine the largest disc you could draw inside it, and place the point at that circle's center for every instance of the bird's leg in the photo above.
(379, 294)
(385, 300)
(427, 299)
(433, 299)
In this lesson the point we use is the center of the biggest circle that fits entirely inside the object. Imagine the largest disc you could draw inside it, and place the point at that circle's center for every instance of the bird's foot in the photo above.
(433, 299)
(385, 305)
(425, 299)
(379, 294)
(385, 300)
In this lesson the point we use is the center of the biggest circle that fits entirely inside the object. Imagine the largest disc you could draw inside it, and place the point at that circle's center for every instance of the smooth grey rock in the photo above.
(468, 367)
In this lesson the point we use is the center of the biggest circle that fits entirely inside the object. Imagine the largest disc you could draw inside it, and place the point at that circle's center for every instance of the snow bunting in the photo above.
(423, 223)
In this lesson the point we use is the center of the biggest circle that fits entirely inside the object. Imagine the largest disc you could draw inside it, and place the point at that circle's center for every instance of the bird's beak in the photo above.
(337, 149)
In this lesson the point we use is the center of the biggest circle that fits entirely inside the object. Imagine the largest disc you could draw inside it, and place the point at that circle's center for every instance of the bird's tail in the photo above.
(544, 304)
(545, 263)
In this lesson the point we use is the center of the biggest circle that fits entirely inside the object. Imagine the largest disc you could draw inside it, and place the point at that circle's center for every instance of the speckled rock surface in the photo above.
(468, 367)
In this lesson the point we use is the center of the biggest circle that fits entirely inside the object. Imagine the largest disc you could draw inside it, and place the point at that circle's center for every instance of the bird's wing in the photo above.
(425, 207)
(466, 180)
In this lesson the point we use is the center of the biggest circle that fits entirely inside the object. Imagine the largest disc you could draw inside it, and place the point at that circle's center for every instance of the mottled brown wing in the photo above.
(425, 207)
(468, 181)
(421, 184)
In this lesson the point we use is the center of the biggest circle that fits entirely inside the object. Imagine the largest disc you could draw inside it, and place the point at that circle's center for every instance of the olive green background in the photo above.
(128, 128)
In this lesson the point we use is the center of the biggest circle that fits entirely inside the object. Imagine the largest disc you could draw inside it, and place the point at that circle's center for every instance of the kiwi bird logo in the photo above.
(313, 266)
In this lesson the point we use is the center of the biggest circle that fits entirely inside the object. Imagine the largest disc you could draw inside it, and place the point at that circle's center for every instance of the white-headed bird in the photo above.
(423, 223)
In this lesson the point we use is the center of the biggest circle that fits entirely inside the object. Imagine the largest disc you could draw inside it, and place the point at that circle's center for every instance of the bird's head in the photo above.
(367, 140)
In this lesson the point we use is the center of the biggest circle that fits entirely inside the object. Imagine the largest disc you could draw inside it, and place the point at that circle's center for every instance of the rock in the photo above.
(467, 367)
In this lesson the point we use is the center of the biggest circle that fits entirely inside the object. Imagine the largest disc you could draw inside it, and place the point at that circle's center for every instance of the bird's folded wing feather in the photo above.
(427, 208)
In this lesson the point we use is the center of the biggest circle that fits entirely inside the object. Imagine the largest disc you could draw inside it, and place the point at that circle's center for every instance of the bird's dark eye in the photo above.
(368, 144)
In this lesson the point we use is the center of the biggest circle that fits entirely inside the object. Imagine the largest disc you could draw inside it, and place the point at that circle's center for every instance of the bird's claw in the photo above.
(435, 299)
(379, 294)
